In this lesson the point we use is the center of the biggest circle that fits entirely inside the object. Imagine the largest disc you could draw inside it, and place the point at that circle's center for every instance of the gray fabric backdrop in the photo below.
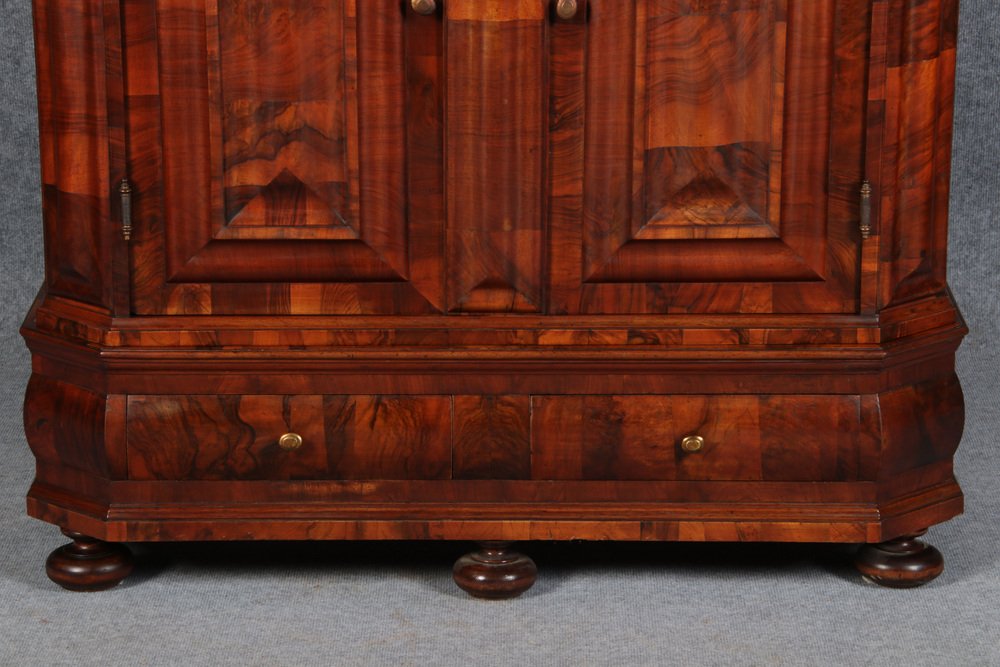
(280, 604)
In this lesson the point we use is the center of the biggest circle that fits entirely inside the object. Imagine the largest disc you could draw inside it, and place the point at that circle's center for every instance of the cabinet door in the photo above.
(267, 147)
(723, 157)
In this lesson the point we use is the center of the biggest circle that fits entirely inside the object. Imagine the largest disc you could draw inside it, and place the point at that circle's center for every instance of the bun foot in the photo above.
(88, 564)
(904, 562)
(495, 572)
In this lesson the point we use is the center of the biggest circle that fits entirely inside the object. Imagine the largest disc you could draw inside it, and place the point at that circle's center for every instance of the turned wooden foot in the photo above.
(904, 562)
(87, 564)
(495, 572)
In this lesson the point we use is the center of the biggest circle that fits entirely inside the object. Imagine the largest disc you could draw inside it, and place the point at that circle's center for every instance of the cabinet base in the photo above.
(804, 429)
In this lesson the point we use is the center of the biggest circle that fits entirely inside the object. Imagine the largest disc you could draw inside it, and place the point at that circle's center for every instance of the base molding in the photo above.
(679, 521)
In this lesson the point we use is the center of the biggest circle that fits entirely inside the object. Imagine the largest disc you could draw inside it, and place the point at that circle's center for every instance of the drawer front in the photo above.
(584, 438)
(237, 437)
(771, 438)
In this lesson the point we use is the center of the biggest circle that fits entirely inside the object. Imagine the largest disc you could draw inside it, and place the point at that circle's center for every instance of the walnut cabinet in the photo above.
(496, 271)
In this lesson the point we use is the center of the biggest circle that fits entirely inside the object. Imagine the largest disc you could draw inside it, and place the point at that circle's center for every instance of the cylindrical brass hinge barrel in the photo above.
(866, 210)
(125, 191)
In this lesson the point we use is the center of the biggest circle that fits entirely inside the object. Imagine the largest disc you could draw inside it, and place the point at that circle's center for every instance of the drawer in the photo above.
(606, 438)
(238, 437)
(771, 438)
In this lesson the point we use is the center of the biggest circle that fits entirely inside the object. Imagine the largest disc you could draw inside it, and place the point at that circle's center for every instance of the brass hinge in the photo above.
(125, 191)
(866, 209)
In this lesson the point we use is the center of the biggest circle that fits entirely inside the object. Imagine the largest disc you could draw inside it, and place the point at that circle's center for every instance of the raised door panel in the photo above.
(268, 150)
(722, 159)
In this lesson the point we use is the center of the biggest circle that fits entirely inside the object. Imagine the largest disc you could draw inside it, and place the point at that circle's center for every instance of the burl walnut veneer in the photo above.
(497, 271)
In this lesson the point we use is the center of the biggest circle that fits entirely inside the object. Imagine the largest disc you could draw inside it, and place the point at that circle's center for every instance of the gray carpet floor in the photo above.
(394, 604)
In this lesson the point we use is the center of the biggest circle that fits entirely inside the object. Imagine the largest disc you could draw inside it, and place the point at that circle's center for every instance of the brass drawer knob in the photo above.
(424, 7)
(692, 443)
(290, 442)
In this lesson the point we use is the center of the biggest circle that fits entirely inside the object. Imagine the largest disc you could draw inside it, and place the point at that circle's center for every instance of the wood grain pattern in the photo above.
(193, 437)
(150, 511)
(554, 249)
(492, 437)
(385, 437)
(831, 336)
(425, 149)
(74, 128)
(65, 425)
(660, 147)
(922, 423)
(810, 437)
(916, 150)
(910, 180)
(253, 183)
(236, 437)
(762, 438)
(746, 438)
(704, 169)
(283, 76)
(495, 155)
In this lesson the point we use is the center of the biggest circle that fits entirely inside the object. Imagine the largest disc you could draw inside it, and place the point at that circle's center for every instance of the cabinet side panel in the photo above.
(922, 425)
(73, 124)
(916, 175)
(65, 425)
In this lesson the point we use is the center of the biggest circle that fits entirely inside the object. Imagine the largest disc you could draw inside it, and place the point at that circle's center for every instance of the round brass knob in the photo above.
(290, 441)
(692, 443)
(424, 7)
(566, 9)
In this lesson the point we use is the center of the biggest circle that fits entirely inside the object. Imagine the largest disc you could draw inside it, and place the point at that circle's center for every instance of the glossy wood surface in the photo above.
(75, 132)
(745, 438)
(255, 179)
(913, 107)
(495, 572)
(694, 204)
(88, 565)
(236, 437)
(283, 77)
(885, 116)
(904, 562)
(495, 154)
(764, 438)
(208, 452)
(494, 263)
(657, 196)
